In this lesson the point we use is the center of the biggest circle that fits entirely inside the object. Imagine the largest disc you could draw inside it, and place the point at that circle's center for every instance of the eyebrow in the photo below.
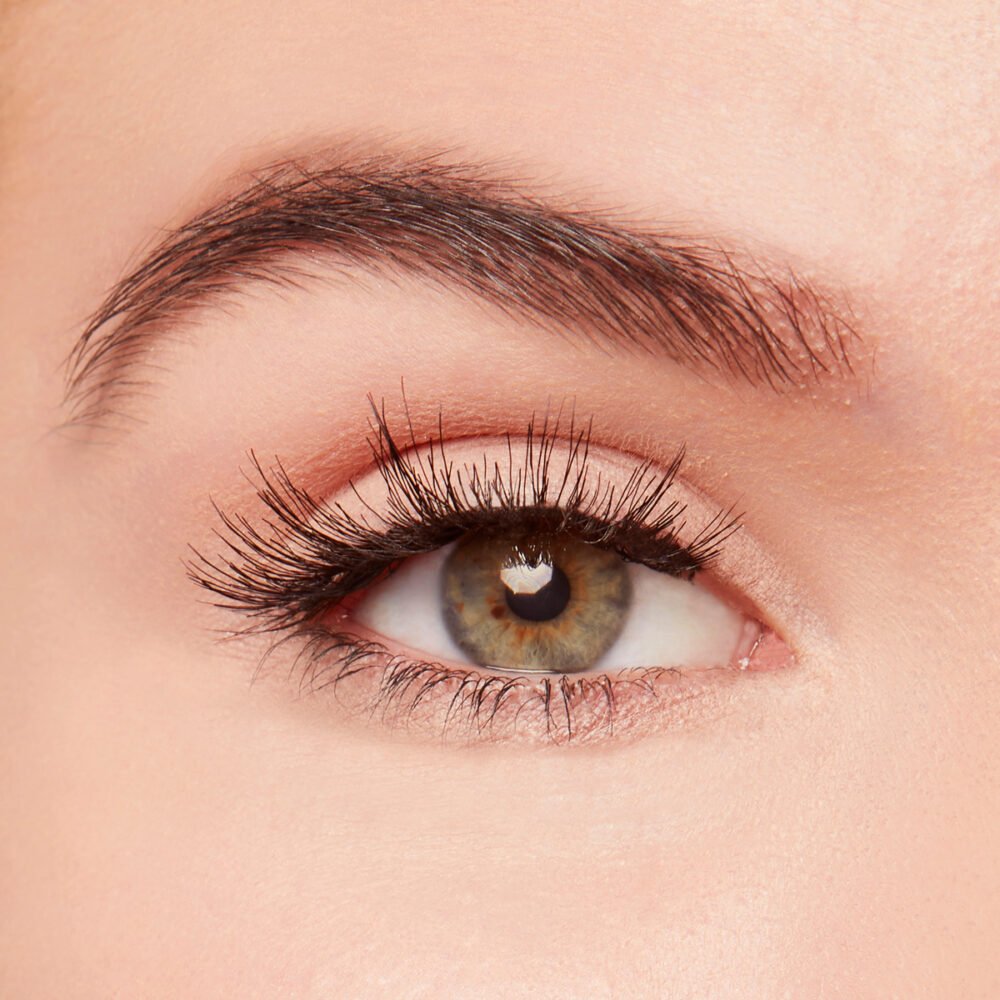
(574, 271)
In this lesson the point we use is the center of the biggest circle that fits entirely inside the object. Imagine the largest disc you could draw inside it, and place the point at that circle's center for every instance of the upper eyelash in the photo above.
(309, 555)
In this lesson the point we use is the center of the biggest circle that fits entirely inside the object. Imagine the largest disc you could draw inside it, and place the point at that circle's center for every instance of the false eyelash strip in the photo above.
(305, 555)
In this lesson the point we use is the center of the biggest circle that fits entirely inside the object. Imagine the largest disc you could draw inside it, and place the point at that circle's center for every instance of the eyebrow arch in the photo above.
(574, 271)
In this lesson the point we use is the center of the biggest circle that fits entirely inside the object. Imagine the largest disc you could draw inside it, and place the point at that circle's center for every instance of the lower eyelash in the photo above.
(441, 701)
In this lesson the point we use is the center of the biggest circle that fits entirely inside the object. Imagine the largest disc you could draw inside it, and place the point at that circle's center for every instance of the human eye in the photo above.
(531, 586)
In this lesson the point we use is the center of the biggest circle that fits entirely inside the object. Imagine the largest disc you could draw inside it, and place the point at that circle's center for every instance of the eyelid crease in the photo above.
(575, 271)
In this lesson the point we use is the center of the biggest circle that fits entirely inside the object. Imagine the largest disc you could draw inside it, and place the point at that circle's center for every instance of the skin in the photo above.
(169, 830)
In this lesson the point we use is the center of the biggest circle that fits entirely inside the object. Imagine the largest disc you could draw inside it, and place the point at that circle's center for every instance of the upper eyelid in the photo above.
(572, 270)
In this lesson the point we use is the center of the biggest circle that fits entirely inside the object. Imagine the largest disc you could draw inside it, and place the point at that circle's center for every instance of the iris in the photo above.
(534, 601)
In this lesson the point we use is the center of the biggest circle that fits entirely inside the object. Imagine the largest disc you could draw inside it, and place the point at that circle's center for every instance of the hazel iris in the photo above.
(534, 601)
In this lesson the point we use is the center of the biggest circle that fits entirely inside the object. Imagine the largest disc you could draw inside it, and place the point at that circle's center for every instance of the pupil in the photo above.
(539, 593)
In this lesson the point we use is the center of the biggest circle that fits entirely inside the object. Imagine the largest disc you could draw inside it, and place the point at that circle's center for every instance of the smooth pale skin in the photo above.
(168, 831)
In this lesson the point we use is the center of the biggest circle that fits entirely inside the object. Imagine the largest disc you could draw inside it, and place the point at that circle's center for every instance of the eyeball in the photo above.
(549, 603)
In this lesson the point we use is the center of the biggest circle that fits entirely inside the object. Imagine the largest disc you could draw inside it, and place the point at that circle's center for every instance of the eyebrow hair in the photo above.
(574, 271)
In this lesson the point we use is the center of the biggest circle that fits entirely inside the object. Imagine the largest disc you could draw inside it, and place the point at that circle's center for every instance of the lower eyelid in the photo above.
(364, 679)
(435, 701)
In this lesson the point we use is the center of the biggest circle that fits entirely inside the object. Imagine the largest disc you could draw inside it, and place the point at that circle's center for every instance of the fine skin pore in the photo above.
(828, 829)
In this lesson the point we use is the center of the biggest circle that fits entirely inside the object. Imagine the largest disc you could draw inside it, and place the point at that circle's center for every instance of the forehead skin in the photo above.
(858, 139)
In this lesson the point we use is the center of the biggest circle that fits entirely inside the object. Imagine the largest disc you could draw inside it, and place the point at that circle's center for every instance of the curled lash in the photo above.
(306, 555)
